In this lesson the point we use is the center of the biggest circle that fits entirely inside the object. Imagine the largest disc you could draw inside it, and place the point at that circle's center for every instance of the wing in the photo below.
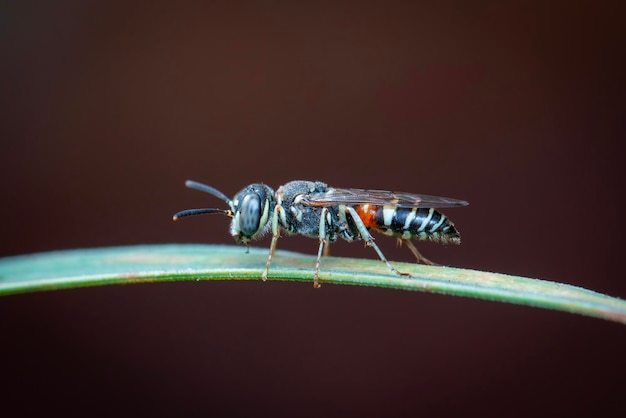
(351, 197)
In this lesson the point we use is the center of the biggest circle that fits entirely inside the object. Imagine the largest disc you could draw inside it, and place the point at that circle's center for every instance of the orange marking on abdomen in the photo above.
(367, 214)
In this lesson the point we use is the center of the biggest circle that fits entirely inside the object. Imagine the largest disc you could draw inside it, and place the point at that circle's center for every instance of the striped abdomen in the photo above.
(408, 223)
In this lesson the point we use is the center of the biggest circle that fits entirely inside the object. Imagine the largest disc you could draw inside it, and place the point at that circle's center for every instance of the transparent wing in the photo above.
(334, 197)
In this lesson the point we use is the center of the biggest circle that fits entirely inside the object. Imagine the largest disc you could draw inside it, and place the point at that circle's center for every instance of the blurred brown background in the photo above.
(517, 107)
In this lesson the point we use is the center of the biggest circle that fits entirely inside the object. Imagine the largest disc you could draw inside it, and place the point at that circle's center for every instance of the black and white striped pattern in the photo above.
(421, 223)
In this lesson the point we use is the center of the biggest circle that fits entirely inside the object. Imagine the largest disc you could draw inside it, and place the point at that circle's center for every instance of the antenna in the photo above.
(204, 211)
(207, 189)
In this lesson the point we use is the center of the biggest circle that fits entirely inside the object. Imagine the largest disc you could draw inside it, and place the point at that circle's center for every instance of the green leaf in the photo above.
(162, 263)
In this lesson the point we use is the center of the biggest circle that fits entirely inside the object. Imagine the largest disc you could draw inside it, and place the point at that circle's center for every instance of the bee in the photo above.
(316, 210)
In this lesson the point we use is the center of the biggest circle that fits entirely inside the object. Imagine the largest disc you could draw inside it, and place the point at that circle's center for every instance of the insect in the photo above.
(316, 210)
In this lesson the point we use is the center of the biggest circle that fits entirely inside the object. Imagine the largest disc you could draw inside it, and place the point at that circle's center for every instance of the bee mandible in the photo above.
(315, 210)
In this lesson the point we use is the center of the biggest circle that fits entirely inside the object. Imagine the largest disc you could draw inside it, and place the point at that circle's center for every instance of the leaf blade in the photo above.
(174, 262)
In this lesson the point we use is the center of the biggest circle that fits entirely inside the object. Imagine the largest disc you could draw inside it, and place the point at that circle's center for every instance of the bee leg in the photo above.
(326, 252)
(323, 244)
(369, 240)
(275, 236)
(420, 258)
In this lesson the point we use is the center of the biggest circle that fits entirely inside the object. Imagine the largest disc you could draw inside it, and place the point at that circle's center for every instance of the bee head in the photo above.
(249, 210)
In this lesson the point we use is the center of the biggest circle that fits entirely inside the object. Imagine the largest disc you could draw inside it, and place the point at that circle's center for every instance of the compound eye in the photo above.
(250, 214)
